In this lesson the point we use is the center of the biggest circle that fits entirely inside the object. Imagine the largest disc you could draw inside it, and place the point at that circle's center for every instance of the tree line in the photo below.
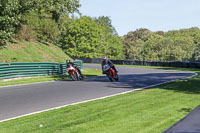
(175, 45)
(54, 21)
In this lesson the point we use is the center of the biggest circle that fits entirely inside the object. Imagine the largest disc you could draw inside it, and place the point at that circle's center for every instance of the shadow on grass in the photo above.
(191, 86)
(180, 69)
(185, 110)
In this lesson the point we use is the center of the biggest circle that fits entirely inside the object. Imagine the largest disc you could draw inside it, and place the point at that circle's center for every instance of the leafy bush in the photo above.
(26, 33)
(9, 18)
(48, 30)
(45, 28)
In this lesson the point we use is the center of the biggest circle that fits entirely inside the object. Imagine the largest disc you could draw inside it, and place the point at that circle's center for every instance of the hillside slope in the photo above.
(31, 52)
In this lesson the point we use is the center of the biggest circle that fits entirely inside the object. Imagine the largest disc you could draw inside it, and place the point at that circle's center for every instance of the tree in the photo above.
(9, 18)
(86, 38)
(134, 43)
(83, 38)
(50, 12)
(176, 45)
(106, 22)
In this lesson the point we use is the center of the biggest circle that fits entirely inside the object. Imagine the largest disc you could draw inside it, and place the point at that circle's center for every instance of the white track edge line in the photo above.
(195, 74)
(27, 84)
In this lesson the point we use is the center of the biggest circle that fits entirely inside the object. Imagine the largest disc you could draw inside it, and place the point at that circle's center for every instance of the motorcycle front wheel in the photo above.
(74, 76)
(81, 77)
(109, 75)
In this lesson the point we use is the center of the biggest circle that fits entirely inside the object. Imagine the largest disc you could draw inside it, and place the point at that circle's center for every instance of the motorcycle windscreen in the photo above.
(106, 67)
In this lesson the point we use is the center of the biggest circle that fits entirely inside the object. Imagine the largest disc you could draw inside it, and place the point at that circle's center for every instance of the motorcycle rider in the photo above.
(107, 61)
(68, 62)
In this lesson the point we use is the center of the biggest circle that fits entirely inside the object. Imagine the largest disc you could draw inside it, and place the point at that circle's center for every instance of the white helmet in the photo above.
(104, 57)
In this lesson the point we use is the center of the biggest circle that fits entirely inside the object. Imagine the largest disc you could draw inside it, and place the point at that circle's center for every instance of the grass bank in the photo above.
(146, 111)
(31, 52)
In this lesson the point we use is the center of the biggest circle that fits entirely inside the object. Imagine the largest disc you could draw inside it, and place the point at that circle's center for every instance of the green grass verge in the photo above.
(146, 111)
(163, 68)
(31, 52)
(87, 73)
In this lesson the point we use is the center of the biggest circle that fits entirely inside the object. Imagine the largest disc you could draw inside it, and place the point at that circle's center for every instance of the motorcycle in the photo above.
(74, 72)
(110, 73)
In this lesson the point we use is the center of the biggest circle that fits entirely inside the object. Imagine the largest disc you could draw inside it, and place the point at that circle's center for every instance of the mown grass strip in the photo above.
(150, 110)
(163, 68)
(87, 73)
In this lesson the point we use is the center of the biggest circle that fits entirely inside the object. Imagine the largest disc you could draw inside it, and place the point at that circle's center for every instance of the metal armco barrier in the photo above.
(180, 64)
(29, 69)
(79, 64)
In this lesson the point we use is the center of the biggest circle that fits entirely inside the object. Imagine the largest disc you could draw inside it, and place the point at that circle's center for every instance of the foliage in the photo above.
(50, 21)
(105, 21)
(47, 17)
(134, 43)
(176, 45)
(83, 38)
(86, 38)
(113, 47)
(26, 33)
(9, 18)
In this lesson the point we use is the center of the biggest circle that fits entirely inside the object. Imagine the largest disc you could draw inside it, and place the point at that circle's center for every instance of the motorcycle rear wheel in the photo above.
(81, 77)
(116, 77)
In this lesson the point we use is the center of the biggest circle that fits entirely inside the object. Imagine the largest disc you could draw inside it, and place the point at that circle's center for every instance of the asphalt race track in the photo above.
(189, 124)
(24, 99)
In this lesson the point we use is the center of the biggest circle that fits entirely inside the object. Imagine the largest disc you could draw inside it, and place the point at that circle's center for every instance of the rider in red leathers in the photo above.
(68, 62)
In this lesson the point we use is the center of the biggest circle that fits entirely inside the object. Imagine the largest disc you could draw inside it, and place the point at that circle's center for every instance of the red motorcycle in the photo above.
(110, 73)
(74, 72)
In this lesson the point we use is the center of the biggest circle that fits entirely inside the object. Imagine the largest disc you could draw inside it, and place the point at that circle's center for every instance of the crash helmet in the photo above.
(67, 61)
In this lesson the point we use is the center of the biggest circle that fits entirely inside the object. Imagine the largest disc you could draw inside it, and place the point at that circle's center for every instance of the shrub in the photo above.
(45, 28)
(26, 33)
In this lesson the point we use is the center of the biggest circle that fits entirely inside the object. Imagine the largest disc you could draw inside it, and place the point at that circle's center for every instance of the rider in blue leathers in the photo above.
(107, 61)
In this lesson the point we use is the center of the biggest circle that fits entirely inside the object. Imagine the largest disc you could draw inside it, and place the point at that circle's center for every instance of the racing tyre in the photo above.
(109, 77)
(74, 76)
(81, 77)
(116, 77)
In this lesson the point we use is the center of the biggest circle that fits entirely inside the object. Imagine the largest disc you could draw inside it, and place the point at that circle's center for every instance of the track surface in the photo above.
(189, 124)
(24, 99)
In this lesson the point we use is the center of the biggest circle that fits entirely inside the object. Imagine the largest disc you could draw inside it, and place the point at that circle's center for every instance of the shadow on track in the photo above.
(134, 81)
